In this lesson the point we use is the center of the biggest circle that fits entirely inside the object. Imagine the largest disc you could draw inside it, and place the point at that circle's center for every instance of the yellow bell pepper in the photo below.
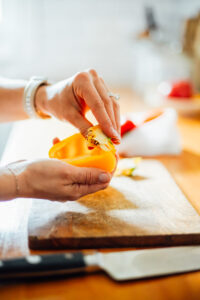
(74, 150)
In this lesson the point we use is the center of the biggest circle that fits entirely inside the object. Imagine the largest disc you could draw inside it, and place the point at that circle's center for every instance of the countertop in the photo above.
(29, 136)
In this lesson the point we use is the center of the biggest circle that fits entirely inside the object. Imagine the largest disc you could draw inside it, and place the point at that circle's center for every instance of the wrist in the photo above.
(18, 174)
(7, 184)
(21, 171)
(41, 100)
(23, 184)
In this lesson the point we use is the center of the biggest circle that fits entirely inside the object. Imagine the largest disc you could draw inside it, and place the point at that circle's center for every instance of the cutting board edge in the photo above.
(115, 242)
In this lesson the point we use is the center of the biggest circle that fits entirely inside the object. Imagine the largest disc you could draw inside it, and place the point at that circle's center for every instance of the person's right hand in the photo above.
(56, 180)
(70, 99)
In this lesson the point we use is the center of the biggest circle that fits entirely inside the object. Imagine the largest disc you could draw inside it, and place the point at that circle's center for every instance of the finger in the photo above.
(106, 87)
(94, 101)
(106, 100)
(89, 176)
(116, 108)
(79, 121)
(117, 115)
(89, 189)
(80, 190)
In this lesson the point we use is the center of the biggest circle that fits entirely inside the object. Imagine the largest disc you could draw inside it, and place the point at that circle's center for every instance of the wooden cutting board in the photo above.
(146, 210)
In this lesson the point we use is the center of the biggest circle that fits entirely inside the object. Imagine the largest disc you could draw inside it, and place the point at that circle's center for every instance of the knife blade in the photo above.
(124, 265)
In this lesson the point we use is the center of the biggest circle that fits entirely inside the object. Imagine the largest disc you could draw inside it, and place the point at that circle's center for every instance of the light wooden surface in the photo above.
(146, 210)
(14, 215)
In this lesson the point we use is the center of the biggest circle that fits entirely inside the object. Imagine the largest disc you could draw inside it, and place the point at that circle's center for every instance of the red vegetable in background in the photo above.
(127, 126)
(181, 89)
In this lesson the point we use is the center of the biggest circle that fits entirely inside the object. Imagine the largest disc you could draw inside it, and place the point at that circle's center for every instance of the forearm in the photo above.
(7, 184)
(11, 100)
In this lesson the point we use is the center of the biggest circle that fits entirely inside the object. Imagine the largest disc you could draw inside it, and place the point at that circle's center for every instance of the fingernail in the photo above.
(104, 177)
(116, 135)
(115, 141)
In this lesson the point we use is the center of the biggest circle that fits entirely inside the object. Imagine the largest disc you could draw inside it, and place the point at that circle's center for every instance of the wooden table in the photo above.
(14, 216)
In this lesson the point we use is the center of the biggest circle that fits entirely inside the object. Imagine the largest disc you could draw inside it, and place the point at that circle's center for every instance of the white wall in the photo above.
(57, 38)
(60, 37)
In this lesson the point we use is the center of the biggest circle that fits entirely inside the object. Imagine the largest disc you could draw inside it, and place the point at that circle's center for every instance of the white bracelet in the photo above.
(29, 96)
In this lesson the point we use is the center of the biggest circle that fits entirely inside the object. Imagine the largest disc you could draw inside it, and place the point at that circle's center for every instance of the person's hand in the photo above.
(69, 100)
(56, 180)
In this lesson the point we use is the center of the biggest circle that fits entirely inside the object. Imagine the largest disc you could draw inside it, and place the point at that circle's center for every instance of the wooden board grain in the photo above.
(146, 210)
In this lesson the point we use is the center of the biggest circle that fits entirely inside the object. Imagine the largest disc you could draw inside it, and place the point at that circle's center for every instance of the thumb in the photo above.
(89, 176)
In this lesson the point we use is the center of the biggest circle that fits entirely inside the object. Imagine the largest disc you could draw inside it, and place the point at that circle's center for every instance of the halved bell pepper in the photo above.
(74, 150)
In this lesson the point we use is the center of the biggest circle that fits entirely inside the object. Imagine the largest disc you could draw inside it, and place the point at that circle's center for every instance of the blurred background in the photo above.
(132, 44)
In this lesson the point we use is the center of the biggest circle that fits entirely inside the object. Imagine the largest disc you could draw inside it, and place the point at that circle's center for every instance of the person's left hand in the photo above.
(69, 100)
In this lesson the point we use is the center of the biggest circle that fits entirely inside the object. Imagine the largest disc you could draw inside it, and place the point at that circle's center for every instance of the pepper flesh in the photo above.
(74, 150)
